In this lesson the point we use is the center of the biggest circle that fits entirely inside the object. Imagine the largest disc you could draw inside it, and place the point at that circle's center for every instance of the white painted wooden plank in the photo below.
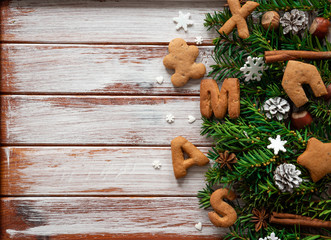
(102, 21)
(89, 120)
(152, 217)
(95, 171)
(31, 68)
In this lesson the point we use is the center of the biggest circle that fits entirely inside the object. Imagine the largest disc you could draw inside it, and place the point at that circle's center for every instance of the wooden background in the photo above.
(83, 119)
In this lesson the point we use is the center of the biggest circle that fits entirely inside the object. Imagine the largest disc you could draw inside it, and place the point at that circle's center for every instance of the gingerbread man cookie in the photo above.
(182, 58)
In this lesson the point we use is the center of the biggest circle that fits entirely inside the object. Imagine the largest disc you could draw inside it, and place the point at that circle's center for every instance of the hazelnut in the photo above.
(271, 19)
(319, 27)
(327, 97)
(301, 119)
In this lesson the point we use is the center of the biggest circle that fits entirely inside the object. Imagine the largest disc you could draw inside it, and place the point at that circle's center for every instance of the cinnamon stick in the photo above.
(292, 219)
(285, 55)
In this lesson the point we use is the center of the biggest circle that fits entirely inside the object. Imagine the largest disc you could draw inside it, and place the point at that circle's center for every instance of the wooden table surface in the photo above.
(83, 119)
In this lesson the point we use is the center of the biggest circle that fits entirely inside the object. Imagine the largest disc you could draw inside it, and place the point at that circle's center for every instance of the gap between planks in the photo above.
(47, 145)
(205, 44)
(97, 94)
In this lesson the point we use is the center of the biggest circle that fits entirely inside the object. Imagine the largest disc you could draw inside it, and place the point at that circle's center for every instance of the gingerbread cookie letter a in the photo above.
(229, 215)
(180, 144)
(212, 100)
(182, 57)
(239, 15)
(298, 73)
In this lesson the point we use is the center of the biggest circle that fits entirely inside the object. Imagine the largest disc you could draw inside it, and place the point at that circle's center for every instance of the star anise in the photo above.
(260, 219)
(226, 159)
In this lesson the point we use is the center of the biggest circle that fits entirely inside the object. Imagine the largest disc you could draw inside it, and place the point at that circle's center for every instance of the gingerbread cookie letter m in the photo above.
(239, 15)
(182, 57)
(298, 73)
(212, 100)
(180, 144)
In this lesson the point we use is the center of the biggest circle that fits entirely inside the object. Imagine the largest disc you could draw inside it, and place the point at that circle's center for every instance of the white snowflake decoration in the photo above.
(277, 144)
(170, 118)
(157, 164)
(183, 20)
(253, 68)
(271, 237)
(198, 40)
(287, 178)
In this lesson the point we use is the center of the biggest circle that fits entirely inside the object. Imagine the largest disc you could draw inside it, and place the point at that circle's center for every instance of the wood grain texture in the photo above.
(93, 183)
(105, 218)
(86, 69)
(94, 171)
(98, 120)
(90, 21)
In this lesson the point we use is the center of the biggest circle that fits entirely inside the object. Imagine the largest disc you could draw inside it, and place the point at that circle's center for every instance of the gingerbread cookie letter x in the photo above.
(239, 15)
(298, 73)
(182, 57)
(180, 144)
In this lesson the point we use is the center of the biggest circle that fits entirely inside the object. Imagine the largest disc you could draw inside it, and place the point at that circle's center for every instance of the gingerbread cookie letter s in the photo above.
(212, 100)
(298, 73)
(229, 215)
(239, 15)
(180, 144)
(182, 57)
(316, 158)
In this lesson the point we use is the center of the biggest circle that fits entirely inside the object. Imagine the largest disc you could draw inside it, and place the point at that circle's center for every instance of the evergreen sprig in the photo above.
(248, 136)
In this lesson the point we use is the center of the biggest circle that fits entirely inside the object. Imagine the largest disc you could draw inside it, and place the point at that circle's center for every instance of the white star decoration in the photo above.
(271, 237)
(157, 164)
(277, 145)
(170, 118)
(198, 40)
(183, 20)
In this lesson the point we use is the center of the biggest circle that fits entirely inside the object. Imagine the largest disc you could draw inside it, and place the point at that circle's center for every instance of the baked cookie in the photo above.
(239, 15)
(219, 102)
(316, 158)
(180, 165)
(298, 73)
(182, 58)
(229, 215)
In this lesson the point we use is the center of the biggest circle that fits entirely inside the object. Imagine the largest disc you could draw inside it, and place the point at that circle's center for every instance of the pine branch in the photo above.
(217, 19)
(321, 6)
(252, 177)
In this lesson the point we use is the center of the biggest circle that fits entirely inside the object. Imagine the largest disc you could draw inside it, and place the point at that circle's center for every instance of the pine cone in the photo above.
(287, 178)
(276, 108)
(294, 21)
